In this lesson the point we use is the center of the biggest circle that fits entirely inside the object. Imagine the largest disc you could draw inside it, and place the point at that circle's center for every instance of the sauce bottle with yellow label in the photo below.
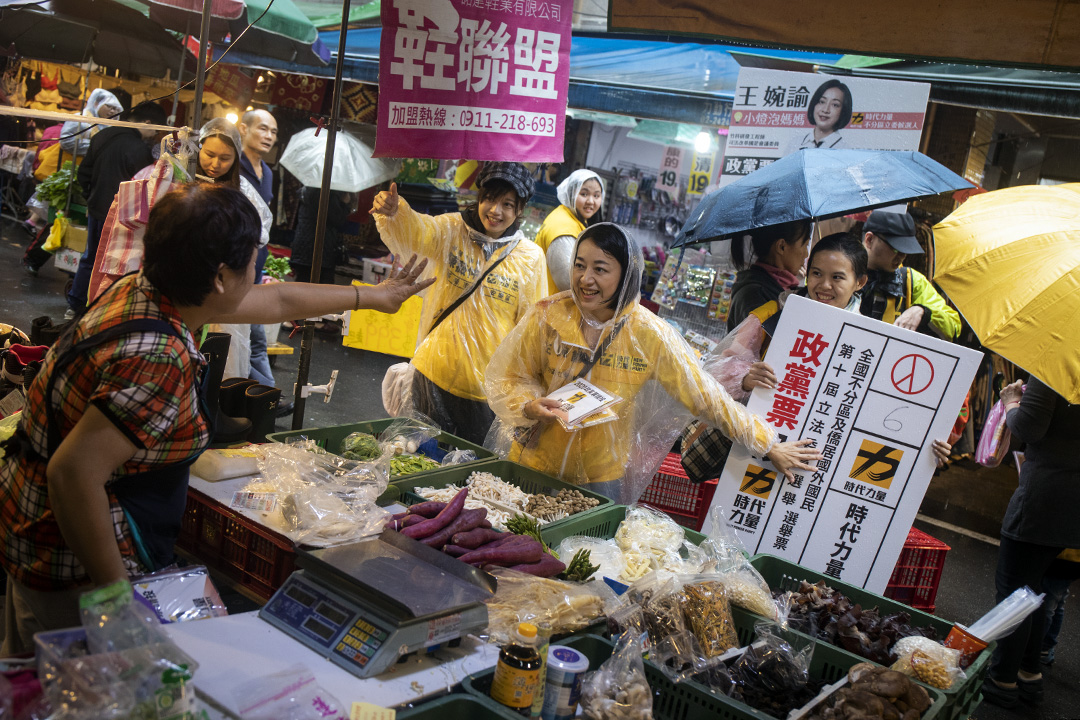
(517, 673)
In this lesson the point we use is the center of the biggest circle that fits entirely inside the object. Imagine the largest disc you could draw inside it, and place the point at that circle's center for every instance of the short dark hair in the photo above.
(845, 110)
(846, 243)
(191, 232)
(614, 241)
(762, 240)
(148, 112)
(496, 188)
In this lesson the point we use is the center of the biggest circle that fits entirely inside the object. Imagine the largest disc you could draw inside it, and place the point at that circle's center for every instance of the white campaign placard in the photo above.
(772, 117)
(873, 397)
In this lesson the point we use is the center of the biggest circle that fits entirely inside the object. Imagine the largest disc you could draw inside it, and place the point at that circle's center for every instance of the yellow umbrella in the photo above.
(1010, 261)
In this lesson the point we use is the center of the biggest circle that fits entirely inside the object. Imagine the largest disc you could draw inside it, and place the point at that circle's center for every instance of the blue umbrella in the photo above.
(816, 184)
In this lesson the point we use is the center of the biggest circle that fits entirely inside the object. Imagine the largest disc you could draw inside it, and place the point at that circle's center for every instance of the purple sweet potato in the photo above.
(427, 509)
(467, 520)
(548, 566)
(454, 550)
(410, 520)
(476, 537)
(486, 524)
(446, 516)
(514, 553)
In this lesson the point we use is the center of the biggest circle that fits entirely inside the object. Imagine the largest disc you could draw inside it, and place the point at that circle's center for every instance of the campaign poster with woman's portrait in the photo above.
(776, 113)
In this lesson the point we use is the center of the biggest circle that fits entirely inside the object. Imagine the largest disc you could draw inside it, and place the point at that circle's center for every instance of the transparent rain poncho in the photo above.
(561, 227)
(455, 354)
(75, 135)
(223, 128)
(644, 361)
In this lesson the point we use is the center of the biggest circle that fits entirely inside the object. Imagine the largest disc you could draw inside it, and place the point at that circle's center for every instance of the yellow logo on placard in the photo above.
(758, 481)
(576, 397)
(876, 464)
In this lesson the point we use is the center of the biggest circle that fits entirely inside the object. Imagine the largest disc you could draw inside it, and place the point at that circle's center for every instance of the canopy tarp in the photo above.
(1036, 33)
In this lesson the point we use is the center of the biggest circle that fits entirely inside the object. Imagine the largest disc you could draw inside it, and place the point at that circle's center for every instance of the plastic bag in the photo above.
(397, 389)
(323, 499)
(727, 559)
(360, 446)
(292, 694)
(457, 457)
(671, 645)
(773, 675)
(119, 664)
(708, 612)
(407, 434)
(56, 236)
(649, 532)
(563, 606)
(604, 553)
(928, 661)
(618, 690)
(994, 441)
(181, 595)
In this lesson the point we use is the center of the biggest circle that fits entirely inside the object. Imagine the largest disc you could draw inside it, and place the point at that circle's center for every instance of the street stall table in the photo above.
(234, 649)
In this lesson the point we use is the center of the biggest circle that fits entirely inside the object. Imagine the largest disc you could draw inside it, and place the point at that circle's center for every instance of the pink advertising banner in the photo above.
(474, 79)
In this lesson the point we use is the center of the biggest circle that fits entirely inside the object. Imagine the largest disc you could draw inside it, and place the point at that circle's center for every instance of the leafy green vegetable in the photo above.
(277, 267)
(580, 568)
(408, 464)
(54, 189)
(360, 446)
(523, 525)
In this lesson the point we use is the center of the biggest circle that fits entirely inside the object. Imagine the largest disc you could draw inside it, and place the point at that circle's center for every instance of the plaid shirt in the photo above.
(703, 458)
(145, 384)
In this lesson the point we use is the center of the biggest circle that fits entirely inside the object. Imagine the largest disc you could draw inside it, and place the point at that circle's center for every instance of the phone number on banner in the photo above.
(461, 117)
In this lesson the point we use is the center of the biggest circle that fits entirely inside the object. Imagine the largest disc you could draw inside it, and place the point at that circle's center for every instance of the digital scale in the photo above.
(367, 604)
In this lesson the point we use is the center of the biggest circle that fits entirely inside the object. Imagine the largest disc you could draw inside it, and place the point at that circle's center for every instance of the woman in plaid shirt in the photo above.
(114, 418)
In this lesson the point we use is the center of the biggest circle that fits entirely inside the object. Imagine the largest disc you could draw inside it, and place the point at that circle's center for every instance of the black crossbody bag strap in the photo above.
(472, 288)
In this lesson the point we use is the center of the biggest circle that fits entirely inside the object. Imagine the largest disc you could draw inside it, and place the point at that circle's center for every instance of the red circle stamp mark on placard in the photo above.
(912, 374)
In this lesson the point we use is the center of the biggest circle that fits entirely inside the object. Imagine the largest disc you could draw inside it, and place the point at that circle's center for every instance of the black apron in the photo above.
(153, 501)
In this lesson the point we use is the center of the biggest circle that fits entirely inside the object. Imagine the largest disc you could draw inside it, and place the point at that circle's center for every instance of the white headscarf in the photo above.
(75, 135)
(568, 189)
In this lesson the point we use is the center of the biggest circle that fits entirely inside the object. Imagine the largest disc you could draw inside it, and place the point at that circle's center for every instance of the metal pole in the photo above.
(180, 73)
(308, 337)
(200, 73)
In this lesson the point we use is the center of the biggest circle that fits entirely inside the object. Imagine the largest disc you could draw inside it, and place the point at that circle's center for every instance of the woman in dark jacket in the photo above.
(769, 261)
(1039, 523)
(303, 245)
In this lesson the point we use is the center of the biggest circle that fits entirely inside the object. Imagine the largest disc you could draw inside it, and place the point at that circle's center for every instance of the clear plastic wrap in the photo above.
(455, 354)
(119, 664)
(708, 612)
(292, 694)
(1007, 615)
(618, 690)
(645, 362)
(563, 606)
(323, 499)
(605, 553)
(928, 661)
(181, 594)
(671, 644)
(406, 435)
(457, 457)
(727, 559)
(773, 675)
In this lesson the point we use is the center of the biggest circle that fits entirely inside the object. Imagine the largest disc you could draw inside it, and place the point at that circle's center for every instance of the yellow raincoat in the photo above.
(560, 221)
(455, 355)
(647, 364)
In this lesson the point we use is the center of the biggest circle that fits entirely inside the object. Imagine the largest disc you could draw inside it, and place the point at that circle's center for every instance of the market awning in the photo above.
(1034, 33)
(78, 31)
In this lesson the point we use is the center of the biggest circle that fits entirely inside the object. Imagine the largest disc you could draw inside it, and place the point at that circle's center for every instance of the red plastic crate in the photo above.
(917, 574)
(255, 557)
(671, 491)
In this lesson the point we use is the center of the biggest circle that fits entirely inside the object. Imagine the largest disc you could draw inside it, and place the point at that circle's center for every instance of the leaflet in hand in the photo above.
(583, 403)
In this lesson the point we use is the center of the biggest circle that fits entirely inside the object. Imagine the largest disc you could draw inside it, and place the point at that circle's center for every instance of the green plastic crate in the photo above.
(329, 438)
(690, 700)
(960, 701)
(458, 707)
(529, 480)
(602, 523)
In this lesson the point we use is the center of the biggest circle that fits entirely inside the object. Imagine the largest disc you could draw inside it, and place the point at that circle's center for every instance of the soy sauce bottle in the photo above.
(517, 673)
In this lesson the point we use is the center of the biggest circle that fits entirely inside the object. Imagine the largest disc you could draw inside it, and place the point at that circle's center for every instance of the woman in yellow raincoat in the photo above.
(598, 331)
(479, 248)
(581, 198)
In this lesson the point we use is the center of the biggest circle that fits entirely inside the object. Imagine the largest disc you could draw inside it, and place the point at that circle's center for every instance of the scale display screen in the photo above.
(332, 614)
(321, 629)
